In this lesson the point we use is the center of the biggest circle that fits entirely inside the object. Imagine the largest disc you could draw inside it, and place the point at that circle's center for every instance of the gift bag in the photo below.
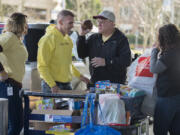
(90, 128)
(140, 77)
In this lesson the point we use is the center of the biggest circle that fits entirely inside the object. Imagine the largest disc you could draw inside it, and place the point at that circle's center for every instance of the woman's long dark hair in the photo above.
(169, 37)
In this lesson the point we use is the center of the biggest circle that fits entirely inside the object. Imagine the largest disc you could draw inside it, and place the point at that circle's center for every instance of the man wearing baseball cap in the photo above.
(108, 50)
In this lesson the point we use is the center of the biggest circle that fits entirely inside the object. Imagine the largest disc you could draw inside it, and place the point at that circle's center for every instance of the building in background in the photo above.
(37, 10)
(61, 4)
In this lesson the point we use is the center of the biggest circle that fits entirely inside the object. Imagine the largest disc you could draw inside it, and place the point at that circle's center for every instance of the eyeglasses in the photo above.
(102, 21)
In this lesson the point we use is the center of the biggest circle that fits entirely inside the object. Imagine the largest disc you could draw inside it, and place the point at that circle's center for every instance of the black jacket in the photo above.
(116, 52)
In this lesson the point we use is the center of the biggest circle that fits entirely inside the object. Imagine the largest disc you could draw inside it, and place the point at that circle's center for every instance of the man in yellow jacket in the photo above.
(55, 55)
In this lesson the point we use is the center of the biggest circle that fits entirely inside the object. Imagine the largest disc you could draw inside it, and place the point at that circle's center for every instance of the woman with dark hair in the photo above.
(165, 61)
(13, 55)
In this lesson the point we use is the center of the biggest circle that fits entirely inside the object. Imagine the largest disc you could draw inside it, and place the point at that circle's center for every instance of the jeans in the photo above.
(15, 109)
(63, 86)
(167, 116)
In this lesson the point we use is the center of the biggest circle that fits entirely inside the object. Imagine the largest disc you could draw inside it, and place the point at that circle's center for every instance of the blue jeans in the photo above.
(167, 116)
(15, 109)
(63, 86)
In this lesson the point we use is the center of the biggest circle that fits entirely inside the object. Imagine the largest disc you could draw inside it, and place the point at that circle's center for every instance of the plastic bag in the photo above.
(97, 130)
(91, 129)
(140, 77)
(113, 109)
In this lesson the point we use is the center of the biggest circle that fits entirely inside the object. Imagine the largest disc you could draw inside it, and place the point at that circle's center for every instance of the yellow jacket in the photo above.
(55, 57)
(14, 56)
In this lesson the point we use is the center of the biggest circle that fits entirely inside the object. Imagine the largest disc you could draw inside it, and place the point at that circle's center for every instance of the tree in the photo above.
(151, 15)
(84, 9)
(1, 11)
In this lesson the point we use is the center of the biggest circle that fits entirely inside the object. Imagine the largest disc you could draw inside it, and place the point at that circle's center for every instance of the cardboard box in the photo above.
(41, 125)
(59, 133)
(60, 116)
(73, 92)
(35, 81)
(51, 118)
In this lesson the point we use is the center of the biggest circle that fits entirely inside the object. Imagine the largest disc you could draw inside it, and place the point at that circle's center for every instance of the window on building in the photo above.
(36, 14)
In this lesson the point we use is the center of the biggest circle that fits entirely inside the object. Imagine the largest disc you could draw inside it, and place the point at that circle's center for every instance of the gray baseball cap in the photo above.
(106, 14)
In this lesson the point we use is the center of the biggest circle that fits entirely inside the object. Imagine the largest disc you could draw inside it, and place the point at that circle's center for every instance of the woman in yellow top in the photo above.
(13, 55)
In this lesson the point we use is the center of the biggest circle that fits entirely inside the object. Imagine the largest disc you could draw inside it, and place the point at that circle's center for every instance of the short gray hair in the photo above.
(64, 13)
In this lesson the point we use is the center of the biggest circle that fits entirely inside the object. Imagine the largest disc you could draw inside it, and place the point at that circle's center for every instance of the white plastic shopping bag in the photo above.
(113, 109)
(140, 77)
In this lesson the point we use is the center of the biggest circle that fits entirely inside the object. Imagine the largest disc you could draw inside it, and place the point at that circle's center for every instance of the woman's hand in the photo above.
(156, 45)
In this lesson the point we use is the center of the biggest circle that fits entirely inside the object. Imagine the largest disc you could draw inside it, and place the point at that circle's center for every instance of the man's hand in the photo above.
(84, 79)
(98, 62)
(3, 76)
(55, 89)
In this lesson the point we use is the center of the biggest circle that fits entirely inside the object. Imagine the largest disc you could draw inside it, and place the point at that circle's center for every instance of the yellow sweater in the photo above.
(55, 57)
(13, 56)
